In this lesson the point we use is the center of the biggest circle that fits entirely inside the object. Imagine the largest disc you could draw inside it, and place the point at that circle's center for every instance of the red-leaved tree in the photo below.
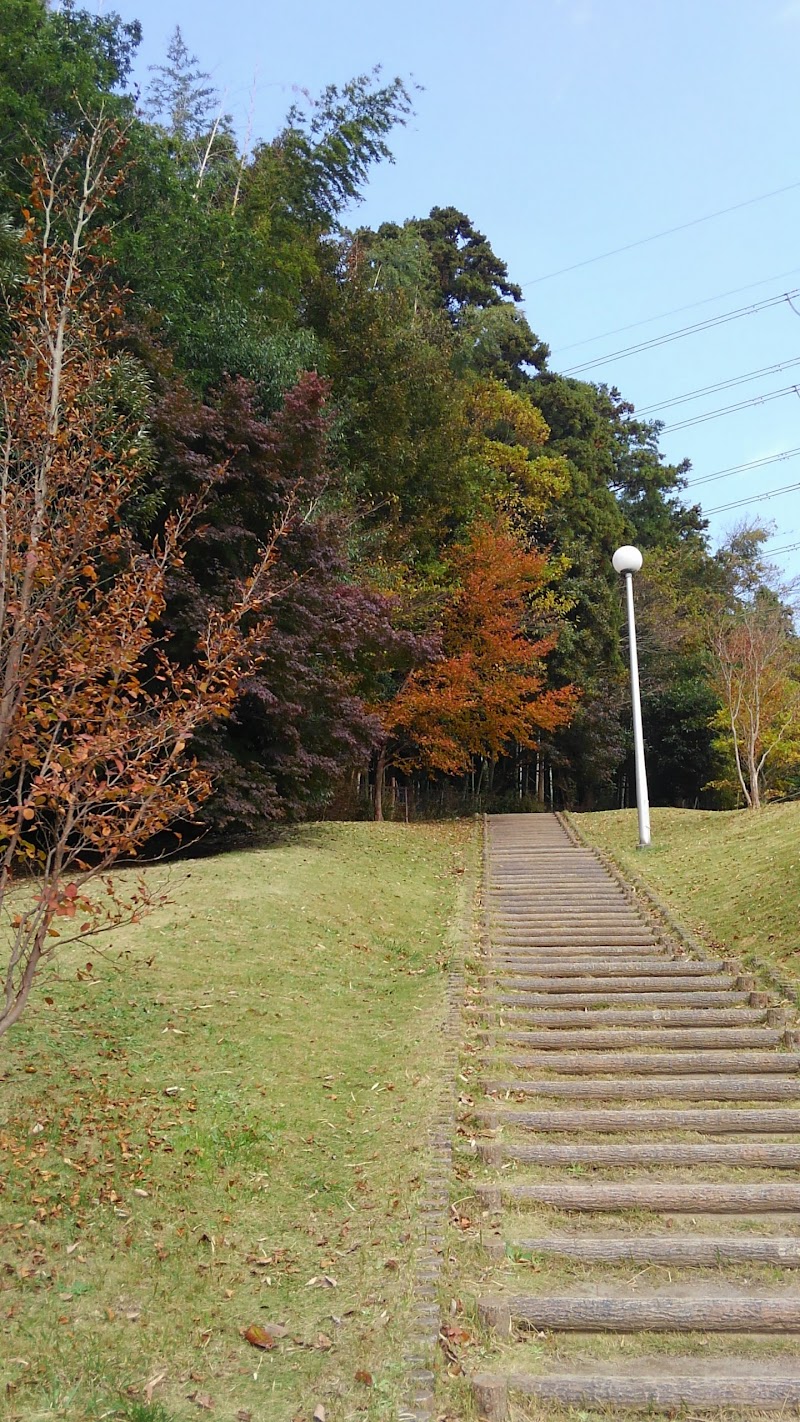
(488, 691)
(95, 717)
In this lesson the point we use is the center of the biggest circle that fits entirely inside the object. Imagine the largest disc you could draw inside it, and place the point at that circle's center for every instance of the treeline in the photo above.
(443, 504)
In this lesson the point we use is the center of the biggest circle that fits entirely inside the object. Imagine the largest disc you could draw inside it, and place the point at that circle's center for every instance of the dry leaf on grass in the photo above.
(151, 1386)
(264, 1336)
(201, 1399)
(362, 1376)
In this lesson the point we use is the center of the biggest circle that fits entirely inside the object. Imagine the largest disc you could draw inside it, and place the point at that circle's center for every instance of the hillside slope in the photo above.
(732, 878)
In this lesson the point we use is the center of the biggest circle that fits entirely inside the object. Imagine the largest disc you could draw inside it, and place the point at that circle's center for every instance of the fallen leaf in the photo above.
(391, 1263)
(201, 1399)
(362, 1376)
(277, 1330)
(151, 1386)
(319, 1413)
(259, 1336)
(324, 1343)
(243, 1415)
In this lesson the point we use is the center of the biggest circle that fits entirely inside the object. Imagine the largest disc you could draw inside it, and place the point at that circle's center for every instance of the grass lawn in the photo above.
(733, 878)
(220, 1125)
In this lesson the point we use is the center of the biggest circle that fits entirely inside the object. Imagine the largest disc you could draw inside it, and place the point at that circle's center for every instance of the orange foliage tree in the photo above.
(95, 718)
(488, 691)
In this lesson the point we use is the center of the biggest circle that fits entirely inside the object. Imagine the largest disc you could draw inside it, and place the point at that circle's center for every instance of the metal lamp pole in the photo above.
(628, 560)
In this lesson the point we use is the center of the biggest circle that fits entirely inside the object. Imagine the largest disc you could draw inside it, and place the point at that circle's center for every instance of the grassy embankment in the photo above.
(221, 1124)
(731, 878)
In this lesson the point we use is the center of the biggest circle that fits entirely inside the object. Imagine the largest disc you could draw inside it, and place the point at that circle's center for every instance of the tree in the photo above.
(757, 676)
(95, 716)
(179, 95)
(301, 719)
(487, 692)
(470, 273)
(54, 65)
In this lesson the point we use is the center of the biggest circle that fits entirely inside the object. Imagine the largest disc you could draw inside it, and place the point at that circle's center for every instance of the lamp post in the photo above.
(628, 560)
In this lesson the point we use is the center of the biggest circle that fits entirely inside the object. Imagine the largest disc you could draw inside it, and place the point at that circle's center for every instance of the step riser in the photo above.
(590, 1038)
(729, 1121)
(677, 1088)
(669, 1394)
(738, 1155)
(658, 1063)
(722, 982)
(600, 967)
(603, 1198)
(555, 1017)
(710, 1315)
(693, 1249)
(605, 999)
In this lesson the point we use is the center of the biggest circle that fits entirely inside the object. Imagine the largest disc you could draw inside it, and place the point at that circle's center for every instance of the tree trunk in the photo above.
(380, 777)
(754, 798)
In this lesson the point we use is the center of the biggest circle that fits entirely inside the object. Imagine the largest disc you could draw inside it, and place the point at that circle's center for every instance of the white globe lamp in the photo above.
(627, 559)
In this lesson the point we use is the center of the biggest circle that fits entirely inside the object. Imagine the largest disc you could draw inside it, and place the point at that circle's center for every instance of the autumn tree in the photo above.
(488, 691)
(757, 677)
(95, 716)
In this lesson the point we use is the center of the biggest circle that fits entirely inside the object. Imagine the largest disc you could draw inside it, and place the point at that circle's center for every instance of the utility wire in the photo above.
(656, 236)
(787, 548)
(675, 311)
(740, 468)
(707, 325)
(721, 385)
(740, 405)
(755, 498)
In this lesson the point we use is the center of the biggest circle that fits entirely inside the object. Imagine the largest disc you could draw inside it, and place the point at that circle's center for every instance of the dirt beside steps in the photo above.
(629, 1142)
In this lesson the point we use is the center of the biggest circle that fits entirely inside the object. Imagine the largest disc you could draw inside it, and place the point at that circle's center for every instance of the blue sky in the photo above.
(566, 128)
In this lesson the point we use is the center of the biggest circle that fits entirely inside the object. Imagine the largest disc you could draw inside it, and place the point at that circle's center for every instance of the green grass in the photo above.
(732, 878)
(221, 1123)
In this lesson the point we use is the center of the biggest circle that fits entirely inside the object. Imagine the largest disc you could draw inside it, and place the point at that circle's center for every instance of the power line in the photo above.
(756, 498)
(675, 311)
(721, 385)
(656, 236)
(787, 548)
(740, 468)
(678, 335)
(740, 405)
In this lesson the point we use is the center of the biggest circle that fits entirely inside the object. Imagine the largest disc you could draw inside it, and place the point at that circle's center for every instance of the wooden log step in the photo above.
(656, 1313)
(737, 1154)
(697, 1198)
(690, 1038)
(654, 1088)
(575, 892)
(604, 999)
(620, 1017)
(556, 933)
(666, 1394)
(568, 918)
(693, 1249)
(647, 1063)
(591, 943)
(717, 982)
(781, 1121)
(606, 968)
(612, 952)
